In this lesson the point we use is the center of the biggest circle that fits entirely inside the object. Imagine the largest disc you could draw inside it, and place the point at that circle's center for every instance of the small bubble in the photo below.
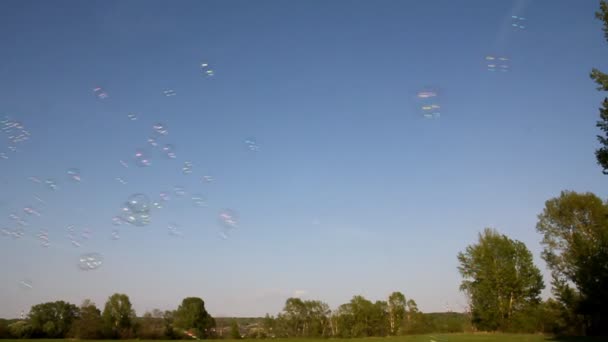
(164, 196)
(179, 191)
(121, 181)
(115, 234)
(26, 284)
(152, 142)
(31, 211)
(51, 184)
(160, 128)
(74, 175)
(157, 204)
(169, 92)
(187, 168)
(139, 203)
(124, 164)
(116, 221)
(199, 200)
(174, 229)
(142, 159)
(100, 93)
(207, 179)
(169, 151)
(132, 116)
(90, 261)
(228, 219)
(252, 144)
(3, 155)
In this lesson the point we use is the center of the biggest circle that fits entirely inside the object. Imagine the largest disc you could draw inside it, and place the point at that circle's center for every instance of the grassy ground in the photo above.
(410, 338)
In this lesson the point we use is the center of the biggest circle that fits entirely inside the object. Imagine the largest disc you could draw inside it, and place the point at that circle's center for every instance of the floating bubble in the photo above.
(3, 155)
(228, 219)
(31, 211)
(207, 179)
(100, 93)
(142, 159)
(160, 128)
(207, 71)
(86, 234)
(132, 116)
(139, 203)
(34, 179)
(74, 175)
(518, 22)
(252, 144)
(51, 184)
(116, 221)
(43, 236)
(26, 284)
(124, 164)
(427, 103)
(179, 191)
(152, 141)
(169, 92)
(498, 63)
(199, 200)
(164, 196)
(174, 229)
(187, 168)
(136, 219)
(90, 261)
(115, 234)
(157, 204)
(121, 181)
(169, 151)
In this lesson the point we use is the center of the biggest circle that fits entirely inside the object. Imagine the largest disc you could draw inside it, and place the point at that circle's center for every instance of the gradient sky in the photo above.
(351, 192)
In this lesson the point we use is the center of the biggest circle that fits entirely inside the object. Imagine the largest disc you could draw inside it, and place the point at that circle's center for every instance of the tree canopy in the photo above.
(602, 81)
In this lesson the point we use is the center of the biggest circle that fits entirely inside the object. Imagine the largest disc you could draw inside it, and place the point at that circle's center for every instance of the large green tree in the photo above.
(192, 315)
(396, 311)
(500, 278)
(118, 316)
(89, 324)
(53, 319)
(575, 240)
(602, 80)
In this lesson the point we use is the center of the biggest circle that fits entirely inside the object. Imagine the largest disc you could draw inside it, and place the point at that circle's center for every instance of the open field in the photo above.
(410, 338)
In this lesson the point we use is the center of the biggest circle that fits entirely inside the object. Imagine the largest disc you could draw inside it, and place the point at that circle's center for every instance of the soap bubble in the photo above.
(187, 168)
(160, 129)
(174, 229)
(164, 196)
(427, 103)
(152, 141)
(116, 221)
(100, 93)
(26, 284)
(132, 116)
(90, 261)
(179, 191)
(169, 92)
(115, 234)
(169, 151)
(139, 203)
(252, 144)
(124, 164)
(207, 179)
(121, 181)
(228, 219)
(51, 184)
(141, 158)
(199, 200)
(518, 22)
(136, 219)
(74, 175)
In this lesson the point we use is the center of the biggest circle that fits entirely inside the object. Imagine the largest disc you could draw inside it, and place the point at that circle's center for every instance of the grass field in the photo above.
(409, 338)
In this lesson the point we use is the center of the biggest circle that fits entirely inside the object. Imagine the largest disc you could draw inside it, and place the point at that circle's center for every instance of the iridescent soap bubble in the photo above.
(228, 219)
(26, 284)
(179, 191)
(252, 144)
(90, 261)
(169, 151)
(187, 168)
(207, 71)
(43, 236)
(427, 103)
(164, 196)
(199, 200)
(51, 184)
(152, 141)
(132, 116)
(160, 128)
(169, 92)
(30, 210)
(141, 158)
(74, 175)
(139, 203)
(100, 93)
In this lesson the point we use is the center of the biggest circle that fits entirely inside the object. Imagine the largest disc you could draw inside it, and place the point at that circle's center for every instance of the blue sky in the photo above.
(352, 190)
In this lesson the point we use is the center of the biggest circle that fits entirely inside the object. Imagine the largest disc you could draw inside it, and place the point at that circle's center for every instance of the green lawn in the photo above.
(411, 338)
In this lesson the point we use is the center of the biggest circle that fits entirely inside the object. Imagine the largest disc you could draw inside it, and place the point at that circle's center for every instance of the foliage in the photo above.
(235, 333)
(89, 324)
(501, 280)
(575, 240)
(53, 319)
(602, 80)
(118, 316)
(191, 315)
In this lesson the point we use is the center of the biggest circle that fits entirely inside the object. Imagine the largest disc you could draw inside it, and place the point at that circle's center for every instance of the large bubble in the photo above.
(90, 261)
(139, 203)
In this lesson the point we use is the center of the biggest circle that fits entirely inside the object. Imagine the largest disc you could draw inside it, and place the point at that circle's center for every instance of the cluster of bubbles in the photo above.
(15, 133)
(428, 103)
(100, 93)
(498, 63)
(228, 220)
(90, 261)
(136, 210)
(252, 144)
(207, 71)
(518, 22)
(169, 92)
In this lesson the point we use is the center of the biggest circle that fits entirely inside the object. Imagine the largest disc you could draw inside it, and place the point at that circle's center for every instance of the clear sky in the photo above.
(352, 190)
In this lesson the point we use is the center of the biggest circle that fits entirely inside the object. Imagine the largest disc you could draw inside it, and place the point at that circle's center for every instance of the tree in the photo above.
(152, 326)
(234, 330)
(89, 325)
(575, 241)
(118, 316)
(602, 80)
(20, 329)
(53, 319)
(500, 278)
(192, 315)
(396, 311)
